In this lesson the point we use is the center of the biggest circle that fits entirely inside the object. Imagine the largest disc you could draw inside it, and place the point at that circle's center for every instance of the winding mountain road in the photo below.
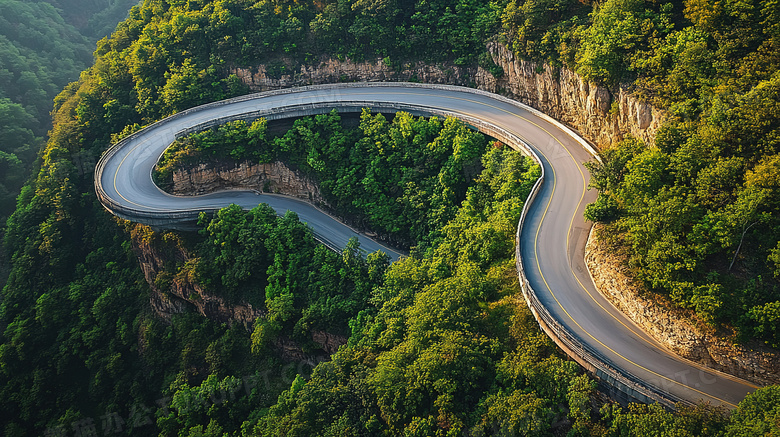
(552, 239)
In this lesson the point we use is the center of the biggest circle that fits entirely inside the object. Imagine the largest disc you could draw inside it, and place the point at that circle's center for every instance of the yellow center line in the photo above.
(539, 267)
(116, 174)
(571, 225)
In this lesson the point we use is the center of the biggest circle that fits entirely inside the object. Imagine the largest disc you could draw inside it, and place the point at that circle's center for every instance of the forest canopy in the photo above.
(43, 47)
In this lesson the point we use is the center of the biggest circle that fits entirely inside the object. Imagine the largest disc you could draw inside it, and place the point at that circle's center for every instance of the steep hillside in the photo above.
(441, 346)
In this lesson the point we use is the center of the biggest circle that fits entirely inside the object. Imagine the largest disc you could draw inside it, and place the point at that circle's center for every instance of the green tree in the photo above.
(756, 415)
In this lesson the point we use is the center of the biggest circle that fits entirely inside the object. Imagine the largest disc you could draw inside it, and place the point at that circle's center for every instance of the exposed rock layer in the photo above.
(600, 115)
(178, 294)
(676, 329)
(273, 177)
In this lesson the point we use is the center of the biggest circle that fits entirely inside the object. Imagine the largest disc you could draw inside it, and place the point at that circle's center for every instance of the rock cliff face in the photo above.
(179, 294)
(599, 114)
(334, 71)
(326, 342)
(273, 177)
(676, 329)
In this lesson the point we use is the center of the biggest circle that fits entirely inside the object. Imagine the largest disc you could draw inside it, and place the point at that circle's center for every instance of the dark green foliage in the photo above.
(393, 30)
(653, 420)
(604, 209)
(757, 415)
(543, 30)
(700, 212)
(83, 320)
(18, 145)
(444, 347)
(40, 52)
(407, 176)
(93, 18)
(275, 263)
(619, 30)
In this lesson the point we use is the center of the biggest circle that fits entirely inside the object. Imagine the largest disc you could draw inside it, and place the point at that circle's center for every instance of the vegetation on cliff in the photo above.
(699, 209)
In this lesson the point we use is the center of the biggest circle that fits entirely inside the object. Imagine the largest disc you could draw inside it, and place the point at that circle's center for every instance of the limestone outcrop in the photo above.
(600, 115)
(178, 294)
(274, 177)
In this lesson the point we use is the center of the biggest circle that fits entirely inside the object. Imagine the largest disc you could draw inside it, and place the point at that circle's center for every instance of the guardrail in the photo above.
(634, 388)
(587, 356)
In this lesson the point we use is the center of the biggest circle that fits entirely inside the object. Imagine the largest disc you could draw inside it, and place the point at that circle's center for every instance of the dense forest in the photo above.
(43, 47)
(438, 344)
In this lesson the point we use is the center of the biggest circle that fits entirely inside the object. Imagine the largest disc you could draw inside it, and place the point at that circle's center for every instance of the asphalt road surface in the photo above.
(552, 240)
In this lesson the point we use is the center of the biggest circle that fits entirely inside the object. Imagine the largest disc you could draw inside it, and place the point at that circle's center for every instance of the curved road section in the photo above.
(551, 235)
